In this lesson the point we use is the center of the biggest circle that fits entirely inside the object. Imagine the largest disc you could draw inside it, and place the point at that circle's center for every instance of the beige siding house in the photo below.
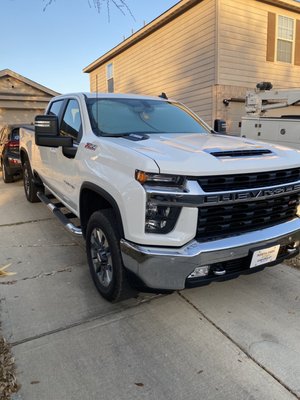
(21, 98)
(207, 53)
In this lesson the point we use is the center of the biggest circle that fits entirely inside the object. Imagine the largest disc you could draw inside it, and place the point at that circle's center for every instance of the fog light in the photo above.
(200, 271)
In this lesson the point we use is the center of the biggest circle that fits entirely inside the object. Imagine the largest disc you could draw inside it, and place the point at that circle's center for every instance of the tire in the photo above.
(104, 257)
(7, 178)
(30, 187)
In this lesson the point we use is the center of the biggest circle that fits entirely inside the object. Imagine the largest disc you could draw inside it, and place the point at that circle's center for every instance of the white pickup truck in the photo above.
(162, 201)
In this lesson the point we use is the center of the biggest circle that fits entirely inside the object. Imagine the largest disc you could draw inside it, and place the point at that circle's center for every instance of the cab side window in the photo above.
(55, 107)
(71, 123)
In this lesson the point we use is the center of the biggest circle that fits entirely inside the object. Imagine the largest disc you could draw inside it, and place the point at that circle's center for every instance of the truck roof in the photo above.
(112, 96)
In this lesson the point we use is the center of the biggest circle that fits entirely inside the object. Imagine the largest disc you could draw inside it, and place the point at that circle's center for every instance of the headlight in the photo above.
(159, 179)
(160, 219)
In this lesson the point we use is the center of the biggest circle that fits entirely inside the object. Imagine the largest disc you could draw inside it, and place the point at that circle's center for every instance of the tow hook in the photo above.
(219, 270)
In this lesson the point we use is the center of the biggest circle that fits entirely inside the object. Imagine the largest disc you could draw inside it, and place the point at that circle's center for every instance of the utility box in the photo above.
(283, 130)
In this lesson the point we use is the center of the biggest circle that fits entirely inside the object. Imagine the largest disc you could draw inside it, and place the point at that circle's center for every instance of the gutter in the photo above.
(290, 5)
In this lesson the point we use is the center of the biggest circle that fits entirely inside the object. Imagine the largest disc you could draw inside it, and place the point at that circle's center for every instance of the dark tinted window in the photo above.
(15, 134)
(55, 107)
(71, 123)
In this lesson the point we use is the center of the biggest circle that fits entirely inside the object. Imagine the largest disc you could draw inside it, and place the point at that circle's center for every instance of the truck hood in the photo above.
(194, 154)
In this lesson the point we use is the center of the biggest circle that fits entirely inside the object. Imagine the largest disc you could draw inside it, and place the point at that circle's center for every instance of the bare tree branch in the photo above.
(125, 5)
(121, 5)
(48, 3)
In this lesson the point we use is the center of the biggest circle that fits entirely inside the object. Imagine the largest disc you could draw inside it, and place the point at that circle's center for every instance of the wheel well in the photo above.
(23, 156)
(90, 201)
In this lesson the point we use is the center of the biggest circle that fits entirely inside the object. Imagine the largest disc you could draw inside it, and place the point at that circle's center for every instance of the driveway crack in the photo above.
(40, 275)
(47, 245)
(26, 222)
(125, 307)
(241, 348)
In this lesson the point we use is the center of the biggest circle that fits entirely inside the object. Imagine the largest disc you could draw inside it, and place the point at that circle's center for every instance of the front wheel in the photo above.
(104, 257)
(30, 187)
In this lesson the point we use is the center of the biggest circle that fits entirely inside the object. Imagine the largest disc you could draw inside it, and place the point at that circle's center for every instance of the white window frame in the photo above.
(286, 40)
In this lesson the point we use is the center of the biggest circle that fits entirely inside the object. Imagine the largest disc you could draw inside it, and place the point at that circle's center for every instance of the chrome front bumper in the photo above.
(168, 268)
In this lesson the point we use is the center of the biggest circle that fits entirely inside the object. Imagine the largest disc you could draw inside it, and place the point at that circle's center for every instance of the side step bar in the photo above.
(59, 215)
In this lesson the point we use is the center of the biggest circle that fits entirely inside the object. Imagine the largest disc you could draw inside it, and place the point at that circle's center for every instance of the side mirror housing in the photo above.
(47, 132)
(46, 125)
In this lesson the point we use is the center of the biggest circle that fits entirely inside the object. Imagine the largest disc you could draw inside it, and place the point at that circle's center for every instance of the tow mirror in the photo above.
(47, 132)
(46, 125)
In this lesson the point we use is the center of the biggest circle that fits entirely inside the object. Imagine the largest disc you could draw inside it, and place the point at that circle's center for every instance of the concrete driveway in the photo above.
(234, 340)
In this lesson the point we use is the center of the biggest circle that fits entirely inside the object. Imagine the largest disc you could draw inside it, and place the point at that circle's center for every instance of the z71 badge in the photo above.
(90, 146)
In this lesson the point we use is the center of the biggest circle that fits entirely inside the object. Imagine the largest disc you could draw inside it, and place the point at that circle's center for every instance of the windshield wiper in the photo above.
(126, 134)
(115, 134)
(134, 136)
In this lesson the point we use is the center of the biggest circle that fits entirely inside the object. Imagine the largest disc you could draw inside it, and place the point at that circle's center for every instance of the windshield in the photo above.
(120, 116)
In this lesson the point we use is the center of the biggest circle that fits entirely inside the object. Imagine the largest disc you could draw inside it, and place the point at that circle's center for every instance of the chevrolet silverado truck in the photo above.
(162, 201)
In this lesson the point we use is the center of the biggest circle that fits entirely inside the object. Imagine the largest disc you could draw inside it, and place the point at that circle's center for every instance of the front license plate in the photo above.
(264, 256)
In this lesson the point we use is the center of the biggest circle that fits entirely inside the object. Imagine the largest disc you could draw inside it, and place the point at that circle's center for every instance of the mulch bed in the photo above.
(8, 380)
(294, 262)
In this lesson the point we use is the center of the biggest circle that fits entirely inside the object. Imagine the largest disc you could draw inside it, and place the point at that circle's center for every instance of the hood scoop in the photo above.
(239, 153)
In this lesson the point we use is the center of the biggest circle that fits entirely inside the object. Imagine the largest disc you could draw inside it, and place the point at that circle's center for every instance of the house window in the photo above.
(110, 78)
(285, 39)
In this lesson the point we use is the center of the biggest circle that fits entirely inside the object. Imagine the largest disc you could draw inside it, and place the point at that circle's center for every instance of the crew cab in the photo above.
(162, 201)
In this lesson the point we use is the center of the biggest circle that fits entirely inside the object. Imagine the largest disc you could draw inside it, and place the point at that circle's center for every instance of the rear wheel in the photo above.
(30, 187)
(7, 178)
(104, 257)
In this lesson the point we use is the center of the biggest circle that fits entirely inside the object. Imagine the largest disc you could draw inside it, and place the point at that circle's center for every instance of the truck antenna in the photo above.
(163, 95)
(97, 101)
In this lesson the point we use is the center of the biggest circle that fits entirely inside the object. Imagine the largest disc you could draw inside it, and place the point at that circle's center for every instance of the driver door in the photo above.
(63, 160)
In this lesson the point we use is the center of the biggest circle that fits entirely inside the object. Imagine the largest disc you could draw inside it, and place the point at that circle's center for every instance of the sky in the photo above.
(52, 47)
